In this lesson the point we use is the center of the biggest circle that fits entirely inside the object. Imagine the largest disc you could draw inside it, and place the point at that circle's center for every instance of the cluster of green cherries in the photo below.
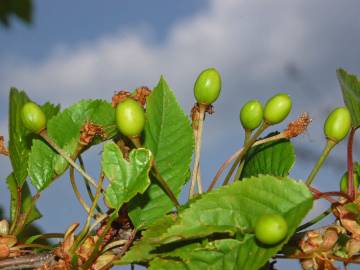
(130, 118)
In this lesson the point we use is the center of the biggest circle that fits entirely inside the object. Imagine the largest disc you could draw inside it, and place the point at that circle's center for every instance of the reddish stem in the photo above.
(318, 194)
(350, 187)
(332, 193)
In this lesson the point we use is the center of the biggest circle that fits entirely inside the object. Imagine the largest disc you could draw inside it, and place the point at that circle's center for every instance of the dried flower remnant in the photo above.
(141, 93)
(89, 131)
(3, 149)
(298, 126)
(119, 96)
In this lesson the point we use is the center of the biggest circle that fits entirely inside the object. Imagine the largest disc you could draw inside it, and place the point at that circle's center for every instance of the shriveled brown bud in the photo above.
(298, 126)
(119, 96)
(141, 93)
(3, 149)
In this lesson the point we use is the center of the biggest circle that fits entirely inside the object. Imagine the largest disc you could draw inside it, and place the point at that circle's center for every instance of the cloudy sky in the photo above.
(82, 49)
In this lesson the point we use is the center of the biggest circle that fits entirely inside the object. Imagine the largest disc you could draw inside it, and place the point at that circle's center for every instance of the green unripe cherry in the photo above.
(33, 117)
(207, 86)
(270, 229)
(338, 124)
(251, 114)
(277, 108)
(130, 117)
(344, 182)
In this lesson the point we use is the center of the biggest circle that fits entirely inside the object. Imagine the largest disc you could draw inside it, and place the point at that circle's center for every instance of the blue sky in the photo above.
(84, 49)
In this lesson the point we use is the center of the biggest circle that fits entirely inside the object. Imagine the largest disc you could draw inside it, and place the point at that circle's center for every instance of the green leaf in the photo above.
(141, 250)
(236, 208)
(64, 129)
(224, 254)
(25, 197)
(23, 9)
(50, 110)
(169, 136)
(273, 158)
(19, 137)
(41, 165)
(350, 87)
(126, 178)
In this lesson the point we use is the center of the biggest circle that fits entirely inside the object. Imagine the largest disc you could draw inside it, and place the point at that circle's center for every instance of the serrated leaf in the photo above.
(236, 208)
(169, 136)
(19, 137)
(127, 178)
(64, 130)
(350, 87)
(25, 197)
(273, 158)
(50, 110)
(224, 254)
(140, 251)
(41, 165)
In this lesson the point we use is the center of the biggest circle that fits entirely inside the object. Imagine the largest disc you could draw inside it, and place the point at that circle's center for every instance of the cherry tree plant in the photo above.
(249, 216)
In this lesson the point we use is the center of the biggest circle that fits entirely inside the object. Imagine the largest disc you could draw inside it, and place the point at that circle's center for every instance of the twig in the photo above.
(27, 261)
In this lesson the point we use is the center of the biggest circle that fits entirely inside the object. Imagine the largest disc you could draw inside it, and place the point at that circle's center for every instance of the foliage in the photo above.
(141, 178)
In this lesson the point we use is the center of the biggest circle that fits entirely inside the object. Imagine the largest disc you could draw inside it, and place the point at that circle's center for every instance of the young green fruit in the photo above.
(344, 182)
(130, 117)
(277, 108)
(338, 124)
(33, 117)
(207, 86)
(270, 229)
(251, 114)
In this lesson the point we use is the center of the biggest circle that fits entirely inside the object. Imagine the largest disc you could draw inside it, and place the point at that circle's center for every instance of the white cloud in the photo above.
(251, 42)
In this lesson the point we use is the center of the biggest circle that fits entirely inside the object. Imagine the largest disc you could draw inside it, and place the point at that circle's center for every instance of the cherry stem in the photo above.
(351, 187)
(328, 147)
(227, 162)
(247, 146)
(198, 141)
(76, 191)
(314, 220)
(58, 149)
(242, 163)
(95, 252)
(331, 193)
(85, 230)
(318, 194)
(87, 185)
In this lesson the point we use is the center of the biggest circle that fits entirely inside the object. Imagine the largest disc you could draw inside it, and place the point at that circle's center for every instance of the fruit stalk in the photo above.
(245, 150)
(202, 109)
(76, 191)
(328, 147)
